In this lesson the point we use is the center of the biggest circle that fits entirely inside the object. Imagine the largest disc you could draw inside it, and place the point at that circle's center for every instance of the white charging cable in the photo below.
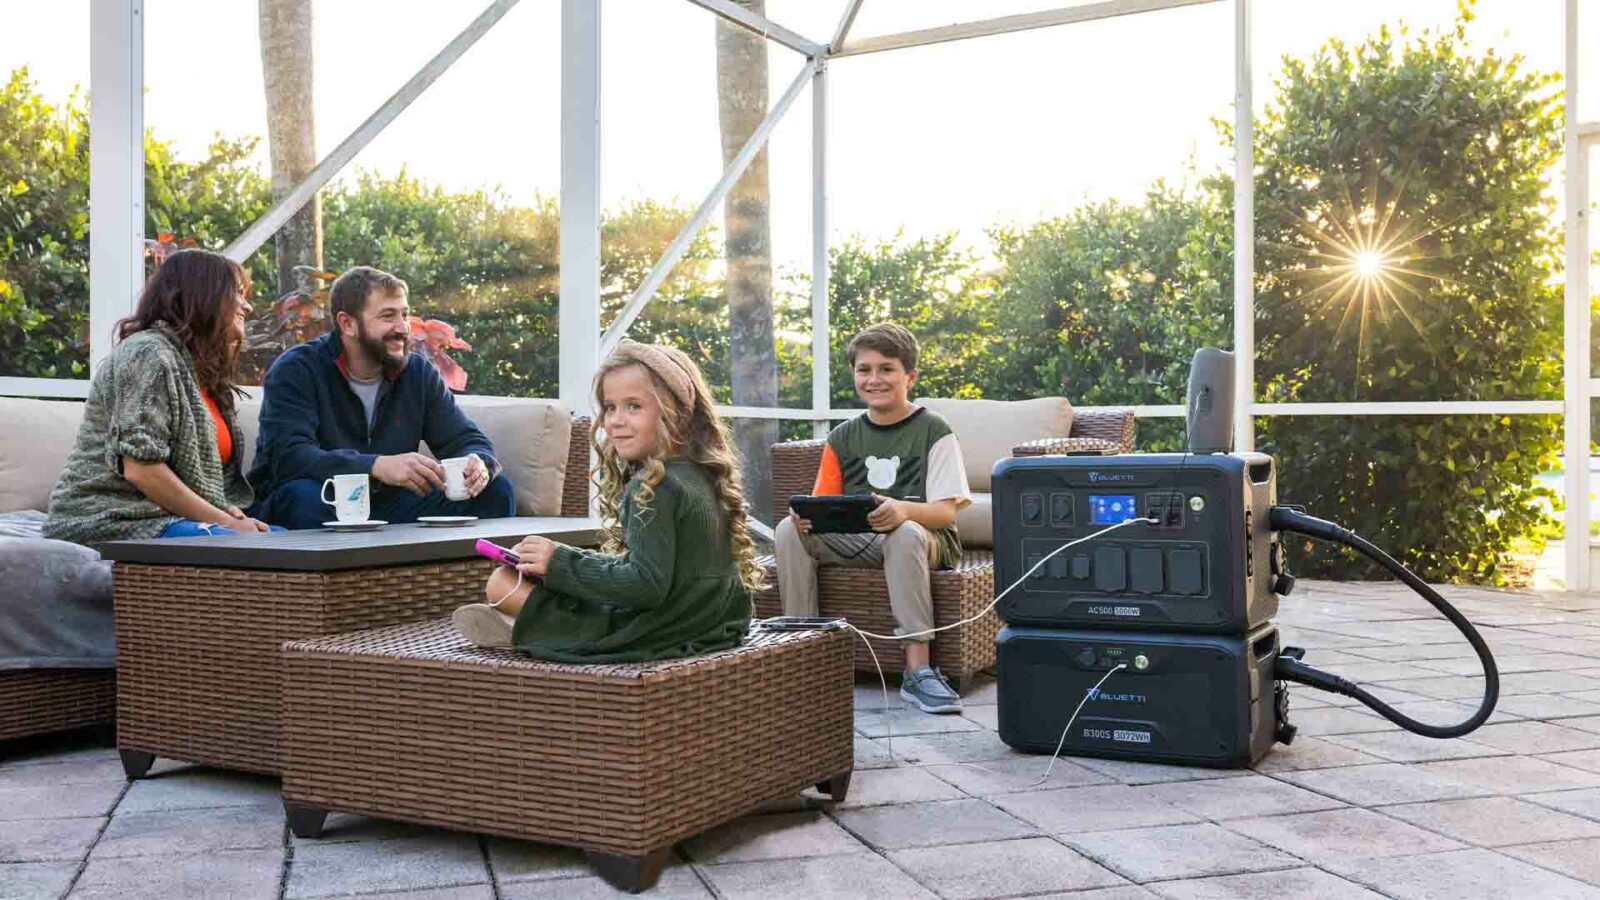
(883, 681)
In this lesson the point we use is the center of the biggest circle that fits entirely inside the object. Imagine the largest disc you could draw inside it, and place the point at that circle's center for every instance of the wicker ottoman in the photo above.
(412, 723)
(198, 644)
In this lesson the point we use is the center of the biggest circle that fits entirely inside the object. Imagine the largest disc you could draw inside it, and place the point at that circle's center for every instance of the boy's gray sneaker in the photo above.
(929, 691)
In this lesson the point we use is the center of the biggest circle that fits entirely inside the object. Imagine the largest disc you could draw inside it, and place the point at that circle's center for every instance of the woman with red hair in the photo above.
(157, 454)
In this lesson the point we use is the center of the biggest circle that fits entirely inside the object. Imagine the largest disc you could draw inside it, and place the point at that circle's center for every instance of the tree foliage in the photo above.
(1429, 157)
(1406, 250)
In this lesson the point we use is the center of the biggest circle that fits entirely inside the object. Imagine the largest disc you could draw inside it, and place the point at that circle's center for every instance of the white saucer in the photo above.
(368, 525)
(444, 521)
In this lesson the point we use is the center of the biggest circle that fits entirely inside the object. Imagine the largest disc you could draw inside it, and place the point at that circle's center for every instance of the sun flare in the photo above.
(1368, 264)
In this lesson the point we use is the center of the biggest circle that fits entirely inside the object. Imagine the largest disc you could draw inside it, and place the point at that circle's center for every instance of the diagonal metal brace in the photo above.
(265, 227)
(680, 243)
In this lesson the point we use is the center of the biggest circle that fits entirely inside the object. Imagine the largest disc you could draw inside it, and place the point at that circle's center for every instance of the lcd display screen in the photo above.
(1109, 509)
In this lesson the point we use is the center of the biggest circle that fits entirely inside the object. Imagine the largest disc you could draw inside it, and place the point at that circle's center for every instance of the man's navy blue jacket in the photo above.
(314, 426)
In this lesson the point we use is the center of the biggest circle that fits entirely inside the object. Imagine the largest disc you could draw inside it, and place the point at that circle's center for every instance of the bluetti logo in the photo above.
(1099, 477)
(1095, 694)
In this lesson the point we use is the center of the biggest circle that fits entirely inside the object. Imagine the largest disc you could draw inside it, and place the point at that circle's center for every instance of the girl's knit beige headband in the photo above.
(665, 366)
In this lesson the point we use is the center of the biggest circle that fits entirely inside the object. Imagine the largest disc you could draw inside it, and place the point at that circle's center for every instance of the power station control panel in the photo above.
(1197, 555)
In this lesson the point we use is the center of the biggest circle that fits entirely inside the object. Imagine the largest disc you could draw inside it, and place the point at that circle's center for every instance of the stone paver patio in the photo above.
(1354, 808)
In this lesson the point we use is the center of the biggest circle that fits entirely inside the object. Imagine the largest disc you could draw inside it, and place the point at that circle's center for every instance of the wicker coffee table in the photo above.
(413, 723)
(201, 621)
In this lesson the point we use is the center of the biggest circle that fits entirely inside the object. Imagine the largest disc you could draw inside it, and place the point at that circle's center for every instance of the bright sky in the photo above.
(958, 136)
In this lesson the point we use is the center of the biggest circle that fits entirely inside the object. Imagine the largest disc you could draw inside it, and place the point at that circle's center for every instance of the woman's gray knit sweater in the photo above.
(144, 404)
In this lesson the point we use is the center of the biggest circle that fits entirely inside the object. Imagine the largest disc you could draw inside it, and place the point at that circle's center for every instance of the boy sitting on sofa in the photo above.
(907, 457)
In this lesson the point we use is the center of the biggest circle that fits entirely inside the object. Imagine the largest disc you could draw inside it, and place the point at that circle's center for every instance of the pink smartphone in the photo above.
(497, 553)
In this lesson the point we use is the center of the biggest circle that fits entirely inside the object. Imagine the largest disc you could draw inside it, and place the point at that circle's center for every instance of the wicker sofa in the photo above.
(39, 434)
(989, 430)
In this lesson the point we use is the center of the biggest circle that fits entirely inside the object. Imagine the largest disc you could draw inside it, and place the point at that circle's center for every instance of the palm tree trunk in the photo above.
(286, 68)
(752, 358)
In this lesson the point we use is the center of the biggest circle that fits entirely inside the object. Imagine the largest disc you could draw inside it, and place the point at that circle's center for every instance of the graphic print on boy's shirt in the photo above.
(916, 458)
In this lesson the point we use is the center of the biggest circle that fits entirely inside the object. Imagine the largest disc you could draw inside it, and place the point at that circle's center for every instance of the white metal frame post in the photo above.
(1244, 234)
(580, 201)
(116, 167)
(821, 377)
(1576, 325)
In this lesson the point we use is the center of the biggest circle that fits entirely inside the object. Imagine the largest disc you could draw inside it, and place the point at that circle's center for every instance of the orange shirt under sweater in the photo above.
(224, 436)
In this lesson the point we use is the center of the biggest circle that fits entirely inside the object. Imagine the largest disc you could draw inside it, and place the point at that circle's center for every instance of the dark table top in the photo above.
(324, 550)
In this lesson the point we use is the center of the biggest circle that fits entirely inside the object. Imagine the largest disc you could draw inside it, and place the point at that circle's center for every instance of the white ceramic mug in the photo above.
(352, 497)
(455, 477)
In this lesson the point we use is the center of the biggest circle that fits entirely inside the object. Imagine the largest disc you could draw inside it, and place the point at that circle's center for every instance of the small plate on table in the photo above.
(368, 525)
(446, 521)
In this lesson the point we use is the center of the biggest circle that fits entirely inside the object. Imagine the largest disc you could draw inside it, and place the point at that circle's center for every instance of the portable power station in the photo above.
(1212, 565)
(1138, 591)
(1196, 699)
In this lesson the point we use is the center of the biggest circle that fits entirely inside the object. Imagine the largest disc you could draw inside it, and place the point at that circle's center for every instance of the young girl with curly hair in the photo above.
(678, 568)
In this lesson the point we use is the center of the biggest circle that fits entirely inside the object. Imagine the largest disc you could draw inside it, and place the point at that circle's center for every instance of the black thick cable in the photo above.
(1291, 669)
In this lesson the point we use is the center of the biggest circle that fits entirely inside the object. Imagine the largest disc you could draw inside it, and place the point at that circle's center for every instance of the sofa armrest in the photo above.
(575, 487)
(1060, 446)
(794, 471)
(1108, 423)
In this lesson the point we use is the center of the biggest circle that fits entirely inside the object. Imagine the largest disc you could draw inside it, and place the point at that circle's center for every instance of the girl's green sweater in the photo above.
(674, 592)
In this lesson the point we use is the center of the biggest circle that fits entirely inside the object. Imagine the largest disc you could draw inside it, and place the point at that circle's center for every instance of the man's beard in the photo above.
(378, 352)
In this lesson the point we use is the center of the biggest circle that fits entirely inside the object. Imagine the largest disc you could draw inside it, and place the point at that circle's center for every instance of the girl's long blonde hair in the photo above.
(694, 434)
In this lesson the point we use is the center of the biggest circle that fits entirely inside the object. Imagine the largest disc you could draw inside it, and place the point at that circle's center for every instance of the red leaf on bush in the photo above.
(454, 376)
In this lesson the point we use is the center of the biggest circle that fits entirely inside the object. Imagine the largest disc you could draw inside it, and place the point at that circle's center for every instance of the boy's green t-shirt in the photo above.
(916, 458)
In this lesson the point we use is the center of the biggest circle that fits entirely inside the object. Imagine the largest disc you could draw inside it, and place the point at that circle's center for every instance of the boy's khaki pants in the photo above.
(905, 555)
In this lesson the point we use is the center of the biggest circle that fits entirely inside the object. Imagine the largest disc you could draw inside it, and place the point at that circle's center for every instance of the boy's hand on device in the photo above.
(535, 553)
(889, 514)
(801, 525)
(412, 471)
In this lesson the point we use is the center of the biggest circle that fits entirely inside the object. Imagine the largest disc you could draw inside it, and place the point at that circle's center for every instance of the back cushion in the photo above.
(35, 441)
(248, 414)
(975, 521)
(988, 429)
(530, 439)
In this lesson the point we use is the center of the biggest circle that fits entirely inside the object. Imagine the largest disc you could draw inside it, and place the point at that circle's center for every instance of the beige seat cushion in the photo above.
(988, 429)
(975, 522)
(35, 439)
(530, 439)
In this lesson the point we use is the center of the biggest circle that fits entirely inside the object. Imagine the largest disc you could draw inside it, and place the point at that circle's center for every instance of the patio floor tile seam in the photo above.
(884, 852)
(83, 864)
(880, 852)
(695, 866)
(832, 816)
(1306, 864)
(288, 862)
(1298, 862)
(1463, 844)
(1460, 839)
(1534, 799)
(488, 866)
(1535, 863)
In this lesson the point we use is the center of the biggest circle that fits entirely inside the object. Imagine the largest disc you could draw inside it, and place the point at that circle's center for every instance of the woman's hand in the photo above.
(242, 523)
(801, 525)
(535, 553)
(889, 514)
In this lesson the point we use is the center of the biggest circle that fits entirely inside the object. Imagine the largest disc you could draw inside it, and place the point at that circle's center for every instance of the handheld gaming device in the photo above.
(835, 513)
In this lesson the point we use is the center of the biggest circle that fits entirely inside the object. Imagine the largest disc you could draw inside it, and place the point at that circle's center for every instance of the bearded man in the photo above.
(358, 401)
